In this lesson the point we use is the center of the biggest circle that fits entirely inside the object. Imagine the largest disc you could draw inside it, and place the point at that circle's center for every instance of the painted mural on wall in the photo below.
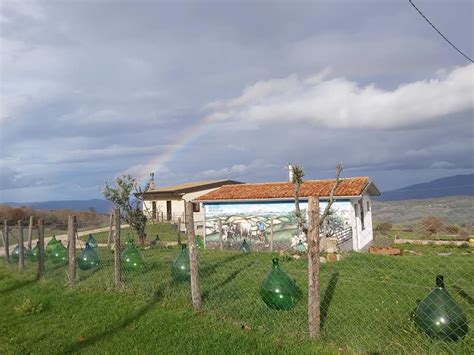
(252, 222)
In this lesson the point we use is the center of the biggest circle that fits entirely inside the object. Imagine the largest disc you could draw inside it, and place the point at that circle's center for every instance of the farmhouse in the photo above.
(263, 213)
(169, 203)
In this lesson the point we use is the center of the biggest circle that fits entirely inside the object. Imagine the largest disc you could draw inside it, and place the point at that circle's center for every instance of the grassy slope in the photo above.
(453, 209)
(166, 231)
(367, 301)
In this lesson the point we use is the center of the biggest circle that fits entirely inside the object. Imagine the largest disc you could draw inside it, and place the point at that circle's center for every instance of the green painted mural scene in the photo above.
(132, 258)
(88, 259)
(180, 269)
(439, 316)
(260, 224)
(279, 290)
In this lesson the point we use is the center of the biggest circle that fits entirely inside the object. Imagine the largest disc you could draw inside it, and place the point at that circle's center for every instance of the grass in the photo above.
(367, 302)
(166, 231)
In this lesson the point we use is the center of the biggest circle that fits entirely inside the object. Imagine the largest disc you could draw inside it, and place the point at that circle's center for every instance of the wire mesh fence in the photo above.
(368, 301)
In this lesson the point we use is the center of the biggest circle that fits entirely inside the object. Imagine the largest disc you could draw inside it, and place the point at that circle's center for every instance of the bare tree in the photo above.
(313, 238)
(127, 196)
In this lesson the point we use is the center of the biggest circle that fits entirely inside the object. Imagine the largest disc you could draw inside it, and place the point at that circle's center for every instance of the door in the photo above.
(153, 210)
(168, 211)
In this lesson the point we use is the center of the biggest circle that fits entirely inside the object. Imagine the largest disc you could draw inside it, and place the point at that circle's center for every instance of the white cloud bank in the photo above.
(340, 103)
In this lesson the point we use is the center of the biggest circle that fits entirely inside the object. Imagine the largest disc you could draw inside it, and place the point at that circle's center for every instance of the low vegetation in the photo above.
(367, 304)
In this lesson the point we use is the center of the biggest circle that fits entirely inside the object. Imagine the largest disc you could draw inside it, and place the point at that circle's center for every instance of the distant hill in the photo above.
(452, 209)
(457, 185)
(101, 206)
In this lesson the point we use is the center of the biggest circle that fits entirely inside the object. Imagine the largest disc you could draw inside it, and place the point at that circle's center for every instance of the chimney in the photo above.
(152, 181)
(290, 172)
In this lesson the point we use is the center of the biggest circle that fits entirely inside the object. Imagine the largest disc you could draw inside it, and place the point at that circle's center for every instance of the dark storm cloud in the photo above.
(93, 89)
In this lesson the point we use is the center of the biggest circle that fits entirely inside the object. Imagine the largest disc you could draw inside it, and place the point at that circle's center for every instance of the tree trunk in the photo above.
(193, 257)
(314, 314)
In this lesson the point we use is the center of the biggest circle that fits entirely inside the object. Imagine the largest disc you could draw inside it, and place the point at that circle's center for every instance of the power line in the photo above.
(447, 40)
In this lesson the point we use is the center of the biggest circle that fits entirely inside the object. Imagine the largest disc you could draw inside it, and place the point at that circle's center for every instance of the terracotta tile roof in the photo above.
(284, 190)
(191, 185)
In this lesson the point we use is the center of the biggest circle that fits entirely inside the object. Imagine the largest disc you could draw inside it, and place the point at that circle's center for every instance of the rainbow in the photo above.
(184, 138)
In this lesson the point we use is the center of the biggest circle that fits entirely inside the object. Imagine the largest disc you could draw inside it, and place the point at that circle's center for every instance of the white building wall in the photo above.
(362, 236)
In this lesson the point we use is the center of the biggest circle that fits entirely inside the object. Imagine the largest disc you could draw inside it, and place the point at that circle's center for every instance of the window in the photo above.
(196, 207)
(368, 206)
(153, 210)
(361, 203)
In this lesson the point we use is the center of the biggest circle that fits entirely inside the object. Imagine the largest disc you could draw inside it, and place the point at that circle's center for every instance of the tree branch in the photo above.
(331, 195)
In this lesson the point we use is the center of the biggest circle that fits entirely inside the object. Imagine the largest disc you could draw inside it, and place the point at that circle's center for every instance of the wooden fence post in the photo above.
(111, 223)
(71, 245)
(30, 233)
(117, 250)
(193, 257)
(179, 230)
(314, 313)
(41, 267)
(21, 253)
(6, 241)
(271, 234)
(219, 224)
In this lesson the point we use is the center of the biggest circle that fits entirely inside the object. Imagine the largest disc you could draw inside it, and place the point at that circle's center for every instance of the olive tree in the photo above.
(127, 195)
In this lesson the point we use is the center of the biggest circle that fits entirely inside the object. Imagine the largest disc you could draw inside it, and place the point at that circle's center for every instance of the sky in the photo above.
(198, 90)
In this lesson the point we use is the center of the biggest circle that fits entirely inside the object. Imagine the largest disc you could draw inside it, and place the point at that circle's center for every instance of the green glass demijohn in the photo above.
(245, 247)
(439, 316)
(88, 259)
(92, 242)
(180, 269)
(34, 254)
(16, 253)
(51, 245)
(199, 242)
(132, 258)
(59, 254)
(278, 290)
(300, 248)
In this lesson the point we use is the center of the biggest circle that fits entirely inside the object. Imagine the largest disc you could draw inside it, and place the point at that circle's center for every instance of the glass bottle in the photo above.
(439, 316)
(59, 254)
(16, 253)
(132, 258)
(92, 242)
(278, 290)
(245, 247)
(88, 259)
(180, 269)
(51, 245)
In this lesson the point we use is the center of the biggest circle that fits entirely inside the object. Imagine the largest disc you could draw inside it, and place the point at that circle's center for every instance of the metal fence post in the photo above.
(30, 233)
(271, 235)
(111, 224)
(219, 224)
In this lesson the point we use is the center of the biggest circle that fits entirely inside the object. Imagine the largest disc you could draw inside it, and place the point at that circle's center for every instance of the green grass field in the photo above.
(367, 301)
(166, 231)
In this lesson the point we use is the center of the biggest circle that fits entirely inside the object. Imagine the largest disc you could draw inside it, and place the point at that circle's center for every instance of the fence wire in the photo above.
(368, 301)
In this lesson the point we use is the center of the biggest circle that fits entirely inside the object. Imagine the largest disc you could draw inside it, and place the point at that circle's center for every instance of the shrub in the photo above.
(452, 229)
(383, 227)
(430, 225)
(464, 234)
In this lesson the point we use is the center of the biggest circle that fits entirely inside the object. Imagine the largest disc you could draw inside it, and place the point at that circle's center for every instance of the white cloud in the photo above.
(340, 103)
